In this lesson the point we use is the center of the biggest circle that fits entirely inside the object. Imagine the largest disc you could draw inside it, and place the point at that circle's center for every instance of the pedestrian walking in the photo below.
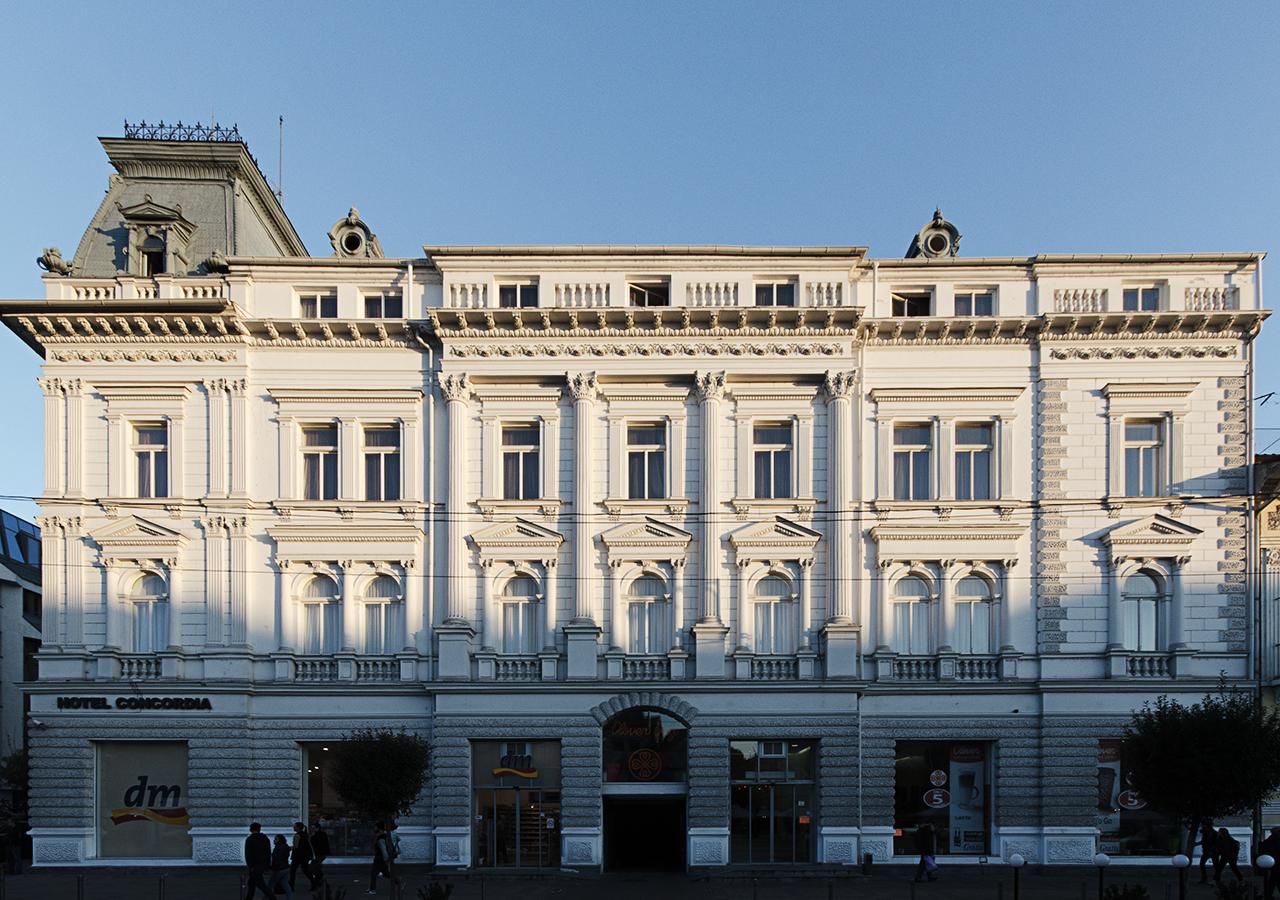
(257, 857)
(383, 858)
(1271, 847)
(279, 876)
(300, 856)
(319, 851)
(1227, 850)
(1208, 840)
(927, 844)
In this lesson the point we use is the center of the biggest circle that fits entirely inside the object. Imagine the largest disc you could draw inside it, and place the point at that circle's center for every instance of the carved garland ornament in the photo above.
(143, 355)
(1144, 353)
(720, 348)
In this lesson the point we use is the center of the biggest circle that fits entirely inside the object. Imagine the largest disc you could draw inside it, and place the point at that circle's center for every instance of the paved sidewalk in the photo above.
(887, 883)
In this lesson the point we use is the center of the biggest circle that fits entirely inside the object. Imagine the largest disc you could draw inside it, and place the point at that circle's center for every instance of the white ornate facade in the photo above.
(835, 509)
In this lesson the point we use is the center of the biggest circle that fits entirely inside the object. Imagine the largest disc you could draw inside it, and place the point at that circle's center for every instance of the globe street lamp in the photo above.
(1101, 861)
(1017, 861)
(1182, 862)
(1266, 862)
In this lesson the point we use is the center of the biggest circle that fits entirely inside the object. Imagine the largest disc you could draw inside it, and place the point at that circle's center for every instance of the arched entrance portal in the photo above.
(644, 757)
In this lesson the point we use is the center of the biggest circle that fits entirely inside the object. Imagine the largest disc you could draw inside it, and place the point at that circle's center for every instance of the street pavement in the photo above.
(886, 883)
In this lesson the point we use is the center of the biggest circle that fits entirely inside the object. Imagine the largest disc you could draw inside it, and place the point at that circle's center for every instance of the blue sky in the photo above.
(1126, 127)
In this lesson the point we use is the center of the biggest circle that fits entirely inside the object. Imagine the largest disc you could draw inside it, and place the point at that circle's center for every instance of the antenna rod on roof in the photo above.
(280, 165)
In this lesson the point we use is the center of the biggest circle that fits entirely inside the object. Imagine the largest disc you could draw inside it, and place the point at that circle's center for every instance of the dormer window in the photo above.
(159, 238)
(518, 294)
(153, 261)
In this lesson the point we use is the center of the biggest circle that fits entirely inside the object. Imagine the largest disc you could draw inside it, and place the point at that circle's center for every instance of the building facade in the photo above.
(781, 552)
(20, 623)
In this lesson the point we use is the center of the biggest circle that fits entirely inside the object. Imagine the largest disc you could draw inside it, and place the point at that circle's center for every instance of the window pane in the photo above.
(393, 306)
(973, 435)
(1140, 584)
(763, 486)
(637, 622)
(773, 434)
(902, 476)
(1141, 431)
(373, 628)
(964, 488)
(1146, 624)
(330, 476)
(373, 307)
(1150, 299)
(920, 628)
(920, 475)
(647, 435)
(964, 304)
(1132, 472)
(911, 586)
(152, 435)
(144, 475)
(657, 474)
(320, 437)
(307, 306)
(312, 630)
(382, 437)
(520, 437)
(391, 476)
(635, 476)
(782, 473)
(373, 476)
(764, 630)
(901, 628)
(983, 304)
(981, 613)
(982, 475)
(1148, 471)
(161, 459)
(329, 307)
(784, 295)
(511, 476)
(1129, 624)
(529, 295)
(530, 483)
(1131, 299)
(912, 435)
(764, 295)
(507, 295)
(973, 586)
(311, 476)
(964, 628)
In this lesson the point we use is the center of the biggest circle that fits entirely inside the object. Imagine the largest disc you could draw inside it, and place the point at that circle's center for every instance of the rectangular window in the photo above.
(911, 627)
(382, 628)
(774, 627)
(515, 295)
(382, 463)
(151, 453)
(1127, 826)
(650, 294)
(1141, 299)
(320, 463)
(973, 627)
(1143, 453)
(912, 462)
(912, 304)
(946, 786)
(974, 446)
(150, 625)
(778, 294)
(518, 623)
(318, 305)
(646, 627)
(646, 462)
(773, 813)
(975, 303)
(520, 464)
(383, 305)
(142, 800)
(772, 445)
(321, 627)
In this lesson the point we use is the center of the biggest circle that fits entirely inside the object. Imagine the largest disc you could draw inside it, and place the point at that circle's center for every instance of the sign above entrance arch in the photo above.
(644, 746)
(663, 702)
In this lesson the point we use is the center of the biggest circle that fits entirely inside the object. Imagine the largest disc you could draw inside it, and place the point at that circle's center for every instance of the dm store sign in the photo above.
(142, 795)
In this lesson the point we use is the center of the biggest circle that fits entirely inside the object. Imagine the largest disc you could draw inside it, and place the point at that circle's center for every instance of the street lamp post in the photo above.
(1266, 862)
(1101, 861)
(1182, 862)
(1017, 861)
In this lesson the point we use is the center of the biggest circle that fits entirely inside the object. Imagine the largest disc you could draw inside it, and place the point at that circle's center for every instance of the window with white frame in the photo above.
(149, 605)
(912, 304)
(911, 614)
(1143, 458)
(520, 462)
(151, 455)
(647, 616)
(654, 293)
(975, 303)
(774, 616)
(321, 619)
(778, 293)
(1141, 299)
(973, 597)
(646, 461)
(772, 445)
(518, 294)
(383, 305)
(913, 461)
(519, 603)
(318, 304)
(1140, 612)
(974, 446)
(320, 462)
(382, 463)
(383, 616)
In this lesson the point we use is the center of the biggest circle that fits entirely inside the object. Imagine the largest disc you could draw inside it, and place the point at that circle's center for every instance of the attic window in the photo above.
(653, 293)
(153, 254)
(912, 305)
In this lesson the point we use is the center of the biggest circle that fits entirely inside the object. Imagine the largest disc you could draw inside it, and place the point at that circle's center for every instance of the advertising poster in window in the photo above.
(1127, 826)
(142, 800)
(967, 819)
(1109, 787)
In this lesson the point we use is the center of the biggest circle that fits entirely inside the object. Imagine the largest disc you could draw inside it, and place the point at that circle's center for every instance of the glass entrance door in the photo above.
(517, 827)
(772, 823)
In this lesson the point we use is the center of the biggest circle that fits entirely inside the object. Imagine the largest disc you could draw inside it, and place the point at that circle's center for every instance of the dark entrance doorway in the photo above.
(645, 833)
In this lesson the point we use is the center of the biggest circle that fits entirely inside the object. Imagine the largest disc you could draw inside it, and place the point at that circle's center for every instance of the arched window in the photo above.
(647, 615)
(149, 602)
(321, 623)
(973, 615)
(911, 616)
(775, 616)
(1140, 612)
(519, 614)
(383, 619)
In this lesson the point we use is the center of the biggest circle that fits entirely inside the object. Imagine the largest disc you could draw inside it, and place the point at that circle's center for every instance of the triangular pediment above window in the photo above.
(517, 539)
(648, 538)
(150, 211)
(778, 539)
(1152, 533)
(133, 537)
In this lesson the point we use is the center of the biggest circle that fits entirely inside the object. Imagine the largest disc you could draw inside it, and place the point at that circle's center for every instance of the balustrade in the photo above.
(774, 668)
(1080, 300)
(712, 293)
(582, 294)
(517, 668)
(315, 670)
(139, 668)
(977, 668)
(825, 293)
(915, 668)
(1209, 299)
(646, 668)
(1147, 666)
(375, 669)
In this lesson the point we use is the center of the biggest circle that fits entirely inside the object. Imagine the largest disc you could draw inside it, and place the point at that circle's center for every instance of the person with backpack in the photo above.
(1208, 841)
(257, 857)
(384, 855)
(319, 851)
(279, 877)
(1226, 851)
(300, 856)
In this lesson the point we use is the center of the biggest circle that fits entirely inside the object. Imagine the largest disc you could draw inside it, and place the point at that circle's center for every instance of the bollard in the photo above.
(79, 887)
(913, 890)
(161, 886)
(866, 863)
(831, 889)
(481, 887)
(242, 887)
(755, 888)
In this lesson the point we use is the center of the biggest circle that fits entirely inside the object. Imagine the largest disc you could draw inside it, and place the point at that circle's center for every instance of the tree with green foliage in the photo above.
(380, 772)
(1219, 757)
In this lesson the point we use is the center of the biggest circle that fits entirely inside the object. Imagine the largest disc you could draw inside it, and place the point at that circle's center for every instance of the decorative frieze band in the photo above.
(1144, 352)
(721, 348)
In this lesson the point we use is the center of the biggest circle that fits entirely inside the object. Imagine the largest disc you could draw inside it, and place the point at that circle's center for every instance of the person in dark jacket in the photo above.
(1226, 849)
(1270, 846)
(1208, 840)
(319, 850)
(300, 856)
(279, 877)
(384, 856)
(927, 844)
(257, 856)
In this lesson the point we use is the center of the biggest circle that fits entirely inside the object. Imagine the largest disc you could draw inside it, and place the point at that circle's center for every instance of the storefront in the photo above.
(946, 785)
(773, 815)
(141, 800)
(516, 804)
(1127, 826)
(349, 834)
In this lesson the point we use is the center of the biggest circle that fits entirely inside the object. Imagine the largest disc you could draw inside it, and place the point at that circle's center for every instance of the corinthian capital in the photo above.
(839, 384)
(455, 386)
(708, 385)
(582, 385)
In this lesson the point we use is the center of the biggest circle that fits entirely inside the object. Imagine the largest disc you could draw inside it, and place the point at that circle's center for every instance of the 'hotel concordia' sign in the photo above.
(136, 703)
